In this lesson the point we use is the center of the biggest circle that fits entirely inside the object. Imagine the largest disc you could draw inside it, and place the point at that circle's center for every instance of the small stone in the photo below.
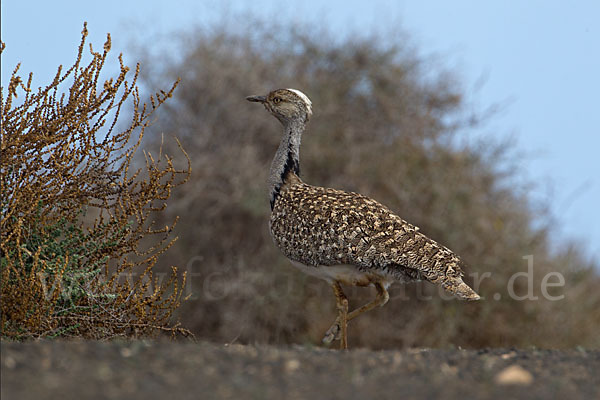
(514, 375)
(449, 369)
(506, 356)
(10, 362)
(292, 365)
(126, 352)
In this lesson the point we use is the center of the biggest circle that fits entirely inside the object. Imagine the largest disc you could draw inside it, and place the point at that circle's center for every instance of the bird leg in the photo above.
(333, 333)
(341, 320)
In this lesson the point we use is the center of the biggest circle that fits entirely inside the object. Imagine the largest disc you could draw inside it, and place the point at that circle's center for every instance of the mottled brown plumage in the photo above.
(344, 237)
(319, 226)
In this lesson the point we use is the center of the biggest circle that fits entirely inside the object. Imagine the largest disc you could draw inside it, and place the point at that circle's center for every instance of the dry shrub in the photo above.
(74, 212)
(386, 124)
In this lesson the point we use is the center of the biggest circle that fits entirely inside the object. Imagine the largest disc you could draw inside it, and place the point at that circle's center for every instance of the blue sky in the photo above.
(539, 57)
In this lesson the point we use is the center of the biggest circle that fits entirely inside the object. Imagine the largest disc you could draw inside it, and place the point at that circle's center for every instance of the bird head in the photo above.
(286, 105)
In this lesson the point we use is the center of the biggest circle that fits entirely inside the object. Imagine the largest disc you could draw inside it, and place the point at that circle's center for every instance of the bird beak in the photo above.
(258, 99)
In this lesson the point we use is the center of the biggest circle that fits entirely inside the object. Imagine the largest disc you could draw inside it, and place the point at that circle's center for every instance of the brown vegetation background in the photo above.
(387, 124)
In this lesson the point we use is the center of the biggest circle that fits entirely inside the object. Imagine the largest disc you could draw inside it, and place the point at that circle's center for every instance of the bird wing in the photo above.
(323, 226)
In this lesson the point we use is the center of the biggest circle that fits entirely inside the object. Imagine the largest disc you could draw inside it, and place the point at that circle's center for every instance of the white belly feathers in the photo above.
(345, 274)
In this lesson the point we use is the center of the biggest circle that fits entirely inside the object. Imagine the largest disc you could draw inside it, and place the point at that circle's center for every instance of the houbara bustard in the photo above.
(342, 237)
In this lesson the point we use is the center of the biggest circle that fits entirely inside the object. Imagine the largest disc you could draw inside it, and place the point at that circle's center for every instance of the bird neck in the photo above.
(287, 158)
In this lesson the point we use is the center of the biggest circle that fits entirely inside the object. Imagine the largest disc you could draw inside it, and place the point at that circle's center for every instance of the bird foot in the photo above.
(333, 333)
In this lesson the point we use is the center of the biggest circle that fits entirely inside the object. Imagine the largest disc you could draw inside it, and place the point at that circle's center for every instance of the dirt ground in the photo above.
(167, 370)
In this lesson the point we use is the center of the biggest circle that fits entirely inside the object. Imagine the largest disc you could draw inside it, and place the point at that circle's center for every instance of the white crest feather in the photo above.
(304, 98)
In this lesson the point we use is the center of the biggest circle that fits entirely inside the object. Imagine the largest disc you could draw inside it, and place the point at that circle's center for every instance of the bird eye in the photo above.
(277, 100)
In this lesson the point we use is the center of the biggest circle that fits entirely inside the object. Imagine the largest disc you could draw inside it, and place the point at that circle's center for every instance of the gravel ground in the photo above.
(167, 370)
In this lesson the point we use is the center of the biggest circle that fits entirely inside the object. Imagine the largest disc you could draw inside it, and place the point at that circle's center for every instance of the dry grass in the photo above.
(74, 210)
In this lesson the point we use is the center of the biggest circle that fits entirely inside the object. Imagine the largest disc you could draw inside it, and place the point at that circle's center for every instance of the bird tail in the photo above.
(439, 265)
(455, 285)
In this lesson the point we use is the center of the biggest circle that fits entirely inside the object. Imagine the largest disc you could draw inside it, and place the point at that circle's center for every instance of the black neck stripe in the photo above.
(291, 165)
